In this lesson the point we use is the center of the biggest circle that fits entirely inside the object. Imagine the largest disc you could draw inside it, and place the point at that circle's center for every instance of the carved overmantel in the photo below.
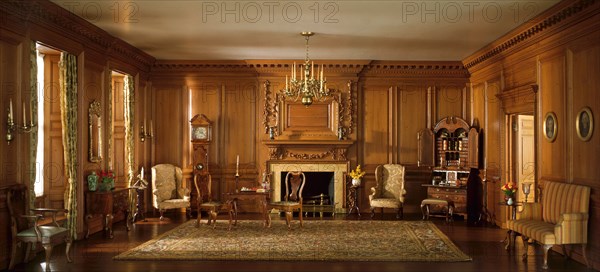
(304, 150)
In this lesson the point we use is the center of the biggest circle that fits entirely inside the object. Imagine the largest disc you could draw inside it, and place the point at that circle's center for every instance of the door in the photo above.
(525, 159)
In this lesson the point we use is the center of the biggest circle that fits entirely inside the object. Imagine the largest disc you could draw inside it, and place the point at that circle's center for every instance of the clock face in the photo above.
(200, 133)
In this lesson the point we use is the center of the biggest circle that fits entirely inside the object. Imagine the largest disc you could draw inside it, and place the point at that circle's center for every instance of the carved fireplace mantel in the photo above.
(335, 150)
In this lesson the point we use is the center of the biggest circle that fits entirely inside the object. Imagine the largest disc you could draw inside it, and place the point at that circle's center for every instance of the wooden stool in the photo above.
(447, 204)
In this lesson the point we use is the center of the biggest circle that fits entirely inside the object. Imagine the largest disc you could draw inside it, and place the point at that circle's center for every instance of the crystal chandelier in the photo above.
(310, 85)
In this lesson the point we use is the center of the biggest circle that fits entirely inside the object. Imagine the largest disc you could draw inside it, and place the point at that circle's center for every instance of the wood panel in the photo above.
(449, 101)
(168, 114)
(375, 126)
(9, 90)
(412, 119)
(118, 138)
(552, 93)
(585, 82)
(54, 178)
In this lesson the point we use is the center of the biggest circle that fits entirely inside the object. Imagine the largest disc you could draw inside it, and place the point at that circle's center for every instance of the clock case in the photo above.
(200, 121)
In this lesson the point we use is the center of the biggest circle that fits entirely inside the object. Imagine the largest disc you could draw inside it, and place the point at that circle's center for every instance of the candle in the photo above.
(237, 165)
(144, 127)
(24, 116)
(294, 72)
(286, 82)
(312, 70)
(151, 132)
(10, 112)
(31, 115)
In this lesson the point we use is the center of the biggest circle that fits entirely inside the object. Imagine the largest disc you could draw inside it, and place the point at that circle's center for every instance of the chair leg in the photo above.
(546, 249)
(48, 249)
(288, 218)
(399, 213)
(13, 253)
(372, 212)
(566, 253)
(584, 253)
(300, 216)
(525, 246)
(161, 211)
(28, 252)
(68, 250)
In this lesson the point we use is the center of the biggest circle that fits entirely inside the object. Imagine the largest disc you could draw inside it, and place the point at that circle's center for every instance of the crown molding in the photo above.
(548, 20)
(338, 68)
(50, 16)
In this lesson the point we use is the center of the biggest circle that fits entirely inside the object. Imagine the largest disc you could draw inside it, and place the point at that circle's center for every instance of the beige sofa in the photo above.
(560, 218)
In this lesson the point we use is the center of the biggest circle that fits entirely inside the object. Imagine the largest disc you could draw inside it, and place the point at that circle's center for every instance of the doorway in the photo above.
(522, 156)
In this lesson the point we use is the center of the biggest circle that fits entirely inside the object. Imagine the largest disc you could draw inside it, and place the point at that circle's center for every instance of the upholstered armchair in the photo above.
(167, 189)
(25, 227)
(389, 191)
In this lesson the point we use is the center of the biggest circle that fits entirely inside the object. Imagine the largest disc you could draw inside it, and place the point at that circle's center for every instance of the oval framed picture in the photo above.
(584, 124)
(550, 126)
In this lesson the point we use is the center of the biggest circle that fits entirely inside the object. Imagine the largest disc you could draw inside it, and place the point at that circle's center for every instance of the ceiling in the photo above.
(345, 29)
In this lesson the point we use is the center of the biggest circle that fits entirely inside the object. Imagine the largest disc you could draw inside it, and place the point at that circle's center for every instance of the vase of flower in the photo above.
(509, 189)
(356, 176)
(108, 180)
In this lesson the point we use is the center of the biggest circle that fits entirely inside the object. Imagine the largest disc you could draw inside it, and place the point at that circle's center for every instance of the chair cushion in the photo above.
(174, 203)
(435, 201)
(47, 232)
(385, 203)
(211, 204)
(540, 231)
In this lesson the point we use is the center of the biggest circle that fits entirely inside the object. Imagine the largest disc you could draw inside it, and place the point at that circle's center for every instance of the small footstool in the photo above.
(447, 204)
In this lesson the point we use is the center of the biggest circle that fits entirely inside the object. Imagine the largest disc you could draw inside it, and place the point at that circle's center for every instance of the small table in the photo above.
(262, 197)
(513, 216)
(139, 210)
(106, 204)
(353, 199)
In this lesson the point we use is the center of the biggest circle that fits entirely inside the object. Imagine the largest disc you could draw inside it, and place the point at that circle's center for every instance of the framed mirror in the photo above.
(95, 133)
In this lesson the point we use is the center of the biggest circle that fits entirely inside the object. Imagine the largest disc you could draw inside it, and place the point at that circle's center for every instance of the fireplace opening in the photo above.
(318, 193)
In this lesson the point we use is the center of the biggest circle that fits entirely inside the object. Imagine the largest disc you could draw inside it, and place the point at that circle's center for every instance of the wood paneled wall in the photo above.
(563, 61)
(97, 53)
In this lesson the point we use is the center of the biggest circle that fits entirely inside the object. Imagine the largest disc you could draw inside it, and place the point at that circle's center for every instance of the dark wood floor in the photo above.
(481, 243)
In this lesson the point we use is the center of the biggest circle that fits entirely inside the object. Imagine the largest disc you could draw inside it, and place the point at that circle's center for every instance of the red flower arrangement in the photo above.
(509, 189)
(108, 180)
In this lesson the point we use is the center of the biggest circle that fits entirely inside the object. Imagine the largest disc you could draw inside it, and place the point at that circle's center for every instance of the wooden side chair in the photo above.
(25, 226)
(292, 201)
(205, 202)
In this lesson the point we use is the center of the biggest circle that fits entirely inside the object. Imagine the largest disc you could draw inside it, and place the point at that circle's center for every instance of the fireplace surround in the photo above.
(338, 168)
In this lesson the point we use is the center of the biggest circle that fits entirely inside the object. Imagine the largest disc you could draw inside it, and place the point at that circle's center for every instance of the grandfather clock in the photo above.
(201, 136)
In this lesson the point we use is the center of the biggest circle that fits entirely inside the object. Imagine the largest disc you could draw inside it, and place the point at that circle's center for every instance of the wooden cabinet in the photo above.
(451, 151)
(106, 204)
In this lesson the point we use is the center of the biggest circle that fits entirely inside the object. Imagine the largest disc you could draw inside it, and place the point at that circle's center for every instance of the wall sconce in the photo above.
(11, 127)
(146, 134)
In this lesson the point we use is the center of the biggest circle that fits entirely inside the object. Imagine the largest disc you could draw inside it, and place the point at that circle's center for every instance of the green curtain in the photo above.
(33, 136)
(109, 120)
(68, 109)
(129, 95)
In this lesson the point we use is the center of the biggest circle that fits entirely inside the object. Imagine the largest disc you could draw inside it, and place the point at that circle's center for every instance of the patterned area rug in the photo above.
(315, 241)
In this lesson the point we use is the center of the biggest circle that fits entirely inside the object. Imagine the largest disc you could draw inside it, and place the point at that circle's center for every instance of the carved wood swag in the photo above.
(277, 114)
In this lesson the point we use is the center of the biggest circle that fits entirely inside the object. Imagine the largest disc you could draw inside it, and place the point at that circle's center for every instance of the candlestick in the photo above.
(24, 116)
(10, 112)
(31, 114)
(237, 165)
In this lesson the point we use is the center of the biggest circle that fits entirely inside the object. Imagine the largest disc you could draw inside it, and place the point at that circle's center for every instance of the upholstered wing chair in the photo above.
(167, 189)
(389, 191)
